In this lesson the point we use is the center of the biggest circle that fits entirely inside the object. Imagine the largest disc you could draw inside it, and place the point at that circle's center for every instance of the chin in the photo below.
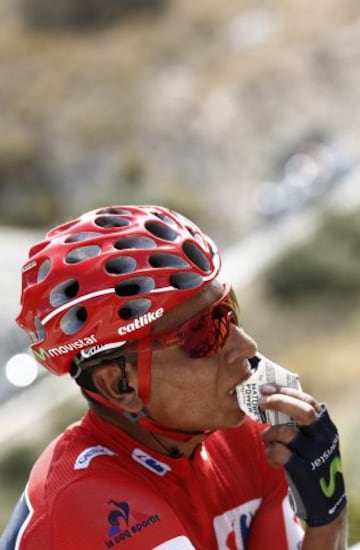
(232, 421)
(238, 419)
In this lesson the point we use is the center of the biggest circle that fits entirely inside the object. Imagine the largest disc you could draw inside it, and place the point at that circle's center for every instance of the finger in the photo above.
(269, 389)
(281, 433)
(303, 412)
(277, 454)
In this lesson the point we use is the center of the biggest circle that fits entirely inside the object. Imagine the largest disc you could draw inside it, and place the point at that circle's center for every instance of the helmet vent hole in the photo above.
(73, 320)
(165, 219)
(83, 236)
(137, 285)
(185, 280)
(82, 253)
(124, 264)
(111, 221)
(135, 242)
(195, 235)
(43, 270)
(162, 231)
(195, 255)
(40, 330)
(64, 292)
(167, 260)
(115, 211)
(134, 309)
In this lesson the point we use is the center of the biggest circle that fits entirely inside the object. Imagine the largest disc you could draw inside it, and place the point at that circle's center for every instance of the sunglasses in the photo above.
(205, 334)
(201, 336)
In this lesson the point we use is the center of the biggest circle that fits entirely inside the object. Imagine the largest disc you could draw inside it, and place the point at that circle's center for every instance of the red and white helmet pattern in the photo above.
(107, 276)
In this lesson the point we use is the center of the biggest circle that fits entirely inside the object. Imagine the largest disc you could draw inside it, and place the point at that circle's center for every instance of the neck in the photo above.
(174, 448)
(155, 441)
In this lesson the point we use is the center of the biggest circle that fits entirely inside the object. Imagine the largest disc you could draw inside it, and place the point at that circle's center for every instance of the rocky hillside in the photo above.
(192, 107)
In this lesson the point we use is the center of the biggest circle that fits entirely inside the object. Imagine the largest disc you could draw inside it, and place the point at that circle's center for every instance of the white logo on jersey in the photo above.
(155, 466)
(293, 529)
(86, 456)
(232, 527)
(178, 543)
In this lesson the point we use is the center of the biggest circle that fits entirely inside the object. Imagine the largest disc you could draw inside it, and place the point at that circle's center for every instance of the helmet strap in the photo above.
(144, 369)
(144, 388)
(154, 427)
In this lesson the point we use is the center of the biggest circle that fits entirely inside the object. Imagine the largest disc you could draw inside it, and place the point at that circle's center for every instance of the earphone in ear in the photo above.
(123, 384)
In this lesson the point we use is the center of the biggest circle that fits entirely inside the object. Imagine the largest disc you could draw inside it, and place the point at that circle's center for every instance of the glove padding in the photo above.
(314, 472)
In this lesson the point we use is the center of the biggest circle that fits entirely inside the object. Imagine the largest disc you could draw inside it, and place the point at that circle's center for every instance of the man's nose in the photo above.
(239, 345)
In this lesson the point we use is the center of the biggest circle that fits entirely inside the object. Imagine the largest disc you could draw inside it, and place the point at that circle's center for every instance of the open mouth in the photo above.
(249, 372)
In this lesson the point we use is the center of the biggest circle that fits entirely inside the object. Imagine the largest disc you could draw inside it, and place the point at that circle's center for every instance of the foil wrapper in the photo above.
(248, 393)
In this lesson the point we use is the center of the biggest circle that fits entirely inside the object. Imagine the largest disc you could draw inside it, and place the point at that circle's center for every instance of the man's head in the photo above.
(102, 280)
(199, 354)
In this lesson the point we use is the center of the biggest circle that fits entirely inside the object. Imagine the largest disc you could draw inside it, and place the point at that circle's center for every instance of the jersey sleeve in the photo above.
(100, 514)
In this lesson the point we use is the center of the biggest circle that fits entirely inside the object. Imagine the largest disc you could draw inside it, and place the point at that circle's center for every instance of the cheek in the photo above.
(180, 384)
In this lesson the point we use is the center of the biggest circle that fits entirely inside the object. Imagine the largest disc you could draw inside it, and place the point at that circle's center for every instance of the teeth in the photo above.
(232, 392)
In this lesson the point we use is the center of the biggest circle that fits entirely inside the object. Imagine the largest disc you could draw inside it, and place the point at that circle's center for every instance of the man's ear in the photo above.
(107, 380)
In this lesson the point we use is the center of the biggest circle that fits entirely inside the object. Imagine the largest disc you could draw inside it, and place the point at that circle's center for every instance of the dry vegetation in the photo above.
(197, 105)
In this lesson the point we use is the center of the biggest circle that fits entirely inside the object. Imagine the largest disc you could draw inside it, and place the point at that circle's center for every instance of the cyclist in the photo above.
(128, 301)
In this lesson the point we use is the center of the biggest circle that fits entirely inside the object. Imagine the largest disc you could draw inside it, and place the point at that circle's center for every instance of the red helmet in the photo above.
(106, 276)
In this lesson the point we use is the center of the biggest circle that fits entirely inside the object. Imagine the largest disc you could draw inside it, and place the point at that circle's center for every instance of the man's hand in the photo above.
(310, 454)
(297, 404)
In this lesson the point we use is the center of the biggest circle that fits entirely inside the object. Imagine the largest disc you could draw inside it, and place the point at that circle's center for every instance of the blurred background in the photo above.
(244, 116)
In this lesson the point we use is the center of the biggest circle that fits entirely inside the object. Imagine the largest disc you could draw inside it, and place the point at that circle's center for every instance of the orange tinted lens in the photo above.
(206, 333)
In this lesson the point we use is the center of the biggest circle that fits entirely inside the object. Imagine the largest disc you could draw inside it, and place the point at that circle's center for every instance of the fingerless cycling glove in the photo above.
(314, 472)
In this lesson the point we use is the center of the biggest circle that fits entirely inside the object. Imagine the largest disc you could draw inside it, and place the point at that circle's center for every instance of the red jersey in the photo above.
(96, 488)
